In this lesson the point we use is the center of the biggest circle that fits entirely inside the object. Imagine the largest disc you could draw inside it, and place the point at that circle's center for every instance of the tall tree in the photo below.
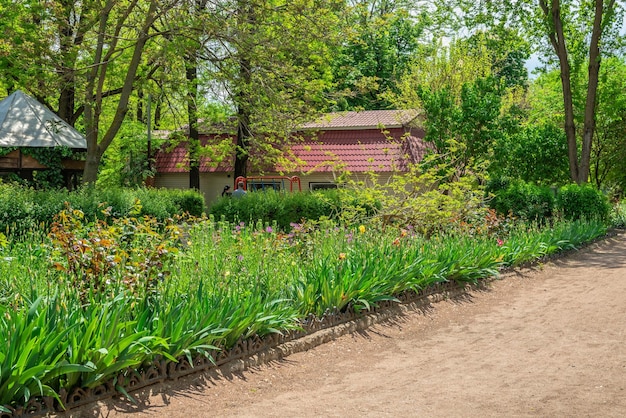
(579, 34)
(461, 102)
(380, 40)
(607, 162)
(555, 15)
(87, 57)
(122, 26)
(193, 45)
(271, 60)
(608, 165)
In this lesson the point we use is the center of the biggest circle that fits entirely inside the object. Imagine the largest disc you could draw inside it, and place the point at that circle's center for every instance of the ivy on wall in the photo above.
(7, 150)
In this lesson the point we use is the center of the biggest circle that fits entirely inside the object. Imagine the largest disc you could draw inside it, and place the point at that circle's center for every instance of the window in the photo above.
(318, 185)
(263, 185)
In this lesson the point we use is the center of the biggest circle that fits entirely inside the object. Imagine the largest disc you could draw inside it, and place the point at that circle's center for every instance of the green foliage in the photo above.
(507, 50)
(377, 52)
(284, 209)
(608, 166)
(125, 163)
(35, 342)
(22, 208)
(463, 129)
(442, 67)
(164, 203)
(534, 153)
(521, 199)
(425, 199)
(527, 243)
(618, 215)
(23, 42)
(94, 303)
(582, 201)
(187, 201)
(497, 184)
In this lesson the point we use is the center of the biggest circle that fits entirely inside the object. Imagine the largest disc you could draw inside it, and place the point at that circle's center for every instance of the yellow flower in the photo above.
(342, 256)
(362, 229)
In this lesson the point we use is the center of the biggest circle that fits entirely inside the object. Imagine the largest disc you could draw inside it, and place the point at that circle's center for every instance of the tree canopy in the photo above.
(269, 66)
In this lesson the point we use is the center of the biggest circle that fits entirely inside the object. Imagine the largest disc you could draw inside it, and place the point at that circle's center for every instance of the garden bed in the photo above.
(246, 353)
(114, 306)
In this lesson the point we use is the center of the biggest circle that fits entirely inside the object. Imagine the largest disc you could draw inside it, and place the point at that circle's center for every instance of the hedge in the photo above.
(22, 208)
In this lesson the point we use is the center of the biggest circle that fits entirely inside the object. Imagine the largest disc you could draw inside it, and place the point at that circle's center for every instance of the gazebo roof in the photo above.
(24, 122)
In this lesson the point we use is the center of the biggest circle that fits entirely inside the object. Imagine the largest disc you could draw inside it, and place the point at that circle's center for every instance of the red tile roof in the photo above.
(347, 145)
(366, 119)
(366, 150)
(176, 159)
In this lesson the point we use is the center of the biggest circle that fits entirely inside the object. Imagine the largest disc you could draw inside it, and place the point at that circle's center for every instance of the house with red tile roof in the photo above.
(344, 143)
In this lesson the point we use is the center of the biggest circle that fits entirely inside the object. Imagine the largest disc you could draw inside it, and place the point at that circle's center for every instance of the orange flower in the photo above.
(342, 256)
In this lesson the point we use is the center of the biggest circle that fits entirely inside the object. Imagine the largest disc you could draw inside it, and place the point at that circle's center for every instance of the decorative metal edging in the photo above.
(161, 370)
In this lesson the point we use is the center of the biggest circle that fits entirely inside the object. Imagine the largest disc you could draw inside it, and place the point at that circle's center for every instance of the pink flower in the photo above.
(500, 242)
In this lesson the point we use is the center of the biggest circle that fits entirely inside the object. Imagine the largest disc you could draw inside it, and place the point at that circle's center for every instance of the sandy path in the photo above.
(548, 342)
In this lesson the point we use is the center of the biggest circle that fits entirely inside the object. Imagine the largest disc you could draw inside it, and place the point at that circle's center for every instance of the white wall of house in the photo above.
(211, 184)
(308, 180)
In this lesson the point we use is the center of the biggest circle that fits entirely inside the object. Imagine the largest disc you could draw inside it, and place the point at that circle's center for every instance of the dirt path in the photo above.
(549, 342)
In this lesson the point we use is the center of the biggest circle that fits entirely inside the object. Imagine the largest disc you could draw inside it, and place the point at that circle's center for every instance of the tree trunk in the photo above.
(579, 169)
(67, 100)
(96, 82)
(243, 137)
(589, 126)
(191, 72)
(247, 19)
(139, 115)
(72, 34)
(552, 14)
(157, 114)
(90, 173)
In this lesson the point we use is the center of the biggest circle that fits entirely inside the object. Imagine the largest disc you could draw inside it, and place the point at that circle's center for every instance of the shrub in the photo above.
(497, 184)
(430, 198)
(287, 208)
(16, 208)
(92, 201)
(154, 203)
(524, 200)
(22, 208)
(618, 215)
(577, 201)
(188, 201)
